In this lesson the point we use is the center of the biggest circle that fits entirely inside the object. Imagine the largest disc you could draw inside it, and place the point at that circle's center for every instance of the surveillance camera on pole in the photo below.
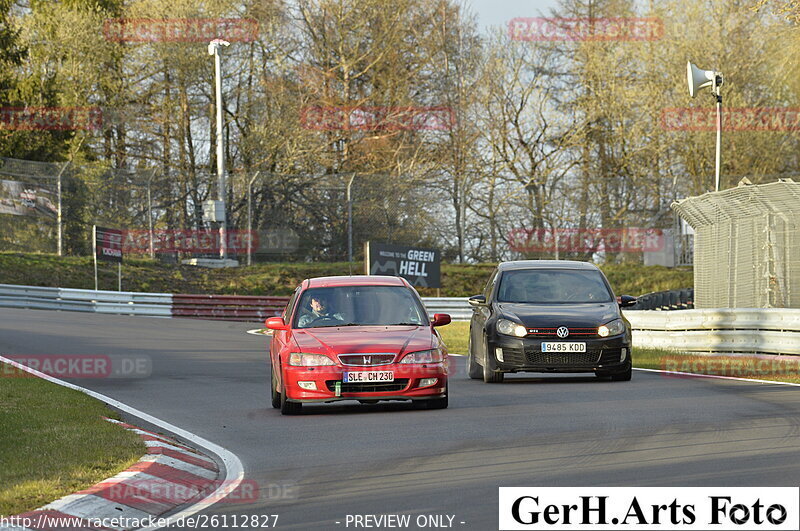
(698, 79)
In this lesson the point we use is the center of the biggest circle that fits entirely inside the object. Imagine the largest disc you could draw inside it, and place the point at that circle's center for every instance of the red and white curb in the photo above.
(169, 476)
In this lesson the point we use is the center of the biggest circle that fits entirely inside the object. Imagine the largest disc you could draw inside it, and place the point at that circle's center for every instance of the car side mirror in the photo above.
(440, 319)
(276, 323)
(477, 300)
(626, 301)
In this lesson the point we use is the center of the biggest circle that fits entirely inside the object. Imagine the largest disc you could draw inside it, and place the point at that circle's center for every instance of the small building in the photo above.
(746, 245)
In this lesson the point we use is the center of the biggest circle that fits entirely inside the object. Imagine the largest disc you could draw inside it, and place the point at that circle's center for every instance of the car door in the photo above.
(479, 316)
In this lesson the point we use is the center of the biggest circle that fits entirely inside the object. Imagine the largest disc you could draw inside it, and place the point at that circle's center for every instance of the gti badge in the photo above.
(562, 332)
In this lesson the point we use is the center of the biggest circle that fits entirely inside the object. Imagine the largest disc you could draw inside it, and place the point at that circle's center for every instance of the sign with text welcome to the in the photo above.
(421, 267)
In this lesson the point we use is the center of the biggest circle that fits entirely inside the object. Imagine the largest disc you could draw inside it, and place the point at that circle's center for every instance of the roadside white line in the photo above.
(234, 470)
(260, 332)
(716, 376)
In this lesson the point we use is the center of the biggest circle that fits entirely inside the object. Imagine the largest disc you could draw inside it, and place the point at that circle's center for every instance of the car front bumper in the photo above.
(604, 355)
(406, 384)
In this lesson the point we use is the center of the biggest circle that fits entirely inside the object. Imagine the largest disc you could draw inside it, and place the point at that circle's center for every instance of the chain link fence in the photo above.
(746, 245)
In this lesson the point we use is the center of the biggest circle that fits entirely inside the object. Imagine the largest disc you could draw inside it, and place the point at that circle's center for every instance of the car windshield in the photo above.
(544, 286)
(359, 305)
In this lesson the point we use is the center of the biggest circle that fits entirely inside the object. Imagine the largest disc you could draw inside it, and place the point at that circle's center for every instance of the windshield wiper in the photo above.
(405, 324)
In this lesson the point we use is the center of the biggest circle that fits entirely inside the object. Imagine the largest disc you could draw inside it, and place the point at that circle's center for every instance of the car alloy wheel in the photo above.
(489, 375)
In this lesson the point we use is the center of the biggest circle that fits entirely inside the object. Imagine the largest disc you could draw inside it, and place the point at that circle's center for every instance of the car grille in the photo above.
(534, 357)
(550, 333)
(562, 359)
(369, 387)
(367, 359)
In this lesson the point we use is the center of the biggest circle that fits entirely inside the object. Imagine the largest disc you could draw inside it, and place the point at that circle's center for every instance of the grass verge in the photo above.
(138, 274)
(775, 368)
(53, 442)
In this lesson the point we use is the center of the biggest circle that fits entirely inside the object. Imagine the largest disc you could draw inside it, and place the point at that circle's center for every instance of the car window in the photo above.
(360, 305)
(290, 305)
(553, 286)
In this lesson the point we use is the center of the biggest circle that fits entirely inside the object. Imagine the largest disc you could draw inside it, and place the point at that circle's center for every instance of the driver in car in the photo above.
(319, 310)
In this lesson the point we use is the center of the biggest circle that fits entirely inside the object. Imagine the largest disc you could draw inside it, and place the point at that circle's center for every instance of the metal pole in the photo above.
(250, 217)
(221, 184)
(350, 224)
(119, 276)
(58, 215)
(719, 139)
(150, 214)
(94, 253)
(556, 231)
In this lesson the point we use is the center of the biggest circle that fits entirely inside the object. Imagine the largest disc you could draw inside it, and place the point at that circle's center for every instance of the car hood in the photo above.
(554, 315)
(354, 339)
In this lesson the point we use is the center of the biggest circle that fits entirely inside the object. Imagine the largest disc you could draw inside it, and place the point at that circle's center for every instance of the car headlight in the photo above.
(423, 356)
(510, 328)
(614, 328)
(301, 359)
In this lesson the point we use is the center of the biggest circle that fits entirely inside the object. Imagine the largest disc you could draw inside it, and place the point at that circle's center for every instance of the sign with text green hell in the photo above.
(421, 267)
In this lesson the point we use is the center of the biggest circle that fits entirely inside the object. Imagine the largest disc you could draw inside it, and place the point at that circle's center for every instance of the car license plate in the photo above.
(563, 347)
(368, 376)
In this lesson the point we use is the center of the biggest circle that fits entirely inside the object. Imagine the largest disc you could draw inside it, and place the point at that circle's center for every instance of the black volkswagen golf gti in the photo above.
(549, 316)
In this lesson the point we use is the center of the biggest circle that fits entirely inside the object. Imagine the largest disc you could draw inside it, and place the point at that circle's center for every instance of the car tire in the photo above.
(276, 396)
(289, 408)
(624, 376)
(474, 369)
(490, 375)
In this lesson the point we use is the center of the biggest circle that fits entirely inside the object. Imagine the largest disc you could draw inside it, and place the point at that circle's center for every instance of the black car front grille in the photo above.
(561, 359)
(550, 333)
(369, 387)
(514, 356)
(610, 355)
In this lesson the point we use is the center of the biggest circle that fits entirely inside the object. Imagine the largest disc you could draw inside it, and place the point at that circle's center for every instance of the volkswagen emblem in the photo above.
(562, 332)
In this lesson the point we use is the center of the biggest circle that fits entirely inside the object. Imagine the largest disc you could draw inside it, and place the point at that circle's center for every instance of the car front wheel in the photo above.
(276, 396)
(289, 408)
(490, 375)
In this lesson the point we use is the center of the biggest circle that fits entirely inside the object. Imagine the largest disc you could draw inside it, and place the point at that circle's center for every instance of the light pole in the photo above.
(150, 214)
(213, 49)
(350, 224)
(250, 217)
(699, 79)
(58, 213)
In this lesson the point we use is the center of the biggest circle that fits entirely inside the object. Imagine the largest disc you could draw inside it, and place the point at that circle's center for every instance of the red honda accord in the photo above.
(365, 338)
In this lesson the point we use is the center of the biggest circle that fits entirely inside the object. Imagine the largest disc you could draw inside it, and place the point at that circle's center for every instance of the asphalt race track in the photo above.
(314, 469)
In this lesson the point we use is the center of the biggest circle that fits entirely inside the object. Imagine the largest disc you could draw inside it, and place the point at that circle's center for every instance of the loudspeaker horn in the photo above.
(698, 78)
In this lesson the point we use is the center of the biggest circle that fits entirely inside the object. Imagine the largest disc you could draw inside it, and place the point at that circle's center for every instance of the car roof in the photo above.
(353, 280)
(545, 264)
